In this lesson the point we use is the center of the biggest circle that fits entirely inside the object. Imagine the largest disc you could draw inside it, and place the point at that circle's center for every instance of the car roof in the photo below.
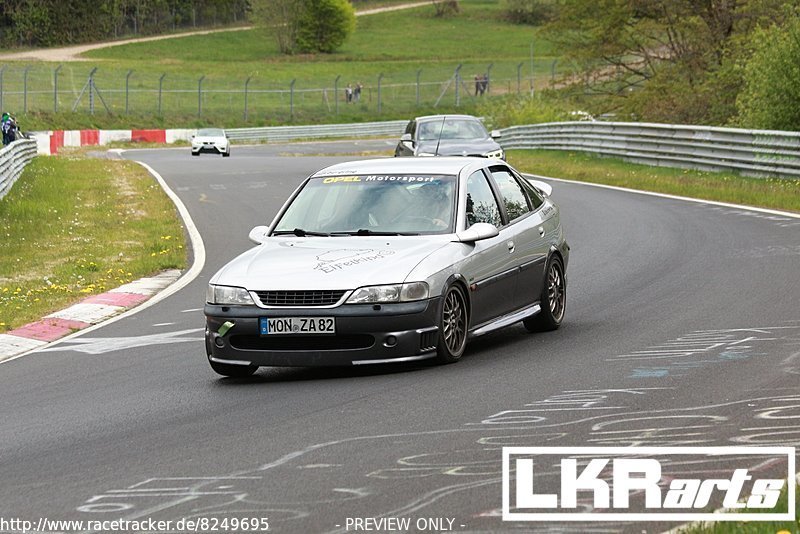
(440, 117)
(420, 165)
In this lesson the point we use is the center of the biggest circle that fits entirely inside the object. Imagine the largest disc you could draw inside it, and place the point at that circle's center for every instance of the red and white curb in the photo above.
(90, 311)
(99, 310)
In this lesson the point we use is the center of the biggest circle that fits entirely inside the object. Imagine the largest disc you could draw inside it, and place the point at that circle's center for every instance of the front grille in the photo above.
(300, 298)
(303, 343)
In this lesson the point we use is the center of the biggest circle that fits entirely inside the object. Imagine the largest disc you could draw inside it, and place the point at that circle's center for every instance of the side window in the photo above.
(511, 191)
(481, 204)
(410, 127)
(533, 194)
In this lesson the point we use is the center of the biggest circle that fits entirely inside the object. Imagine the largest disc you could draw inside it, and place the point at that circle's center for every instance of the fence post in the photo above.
(519, 78)
(488, 77)
(380, 77)
(246, 84)
(55, 88)
(291, 100)
(127, 86)
(553, 72)
(336, 92)
(457, 76)
(160, 86)
(418, 73)
(2, 70)
(200, 95)
(91, 90)
(25, 89)
(531, 68)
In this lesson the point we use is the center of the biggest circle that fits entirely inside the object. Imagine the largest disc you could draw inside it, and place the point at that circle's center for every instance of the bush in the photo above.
(534, 12)
(324, 25)
(771, 95)
(446, 8)
(517, 110)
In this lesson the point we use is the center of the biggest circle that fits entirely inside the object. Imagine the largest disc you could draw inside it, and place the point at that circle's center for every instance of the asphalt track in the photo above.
(682, 328)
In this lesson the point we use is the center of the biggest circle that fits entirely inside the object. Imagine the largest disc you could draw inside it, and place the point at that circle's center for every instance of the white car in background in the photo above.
(213, 140)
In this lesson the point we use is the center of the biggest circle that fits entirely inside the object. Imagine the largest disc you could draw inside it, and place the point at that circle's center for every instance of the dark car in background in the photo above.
(449, 135)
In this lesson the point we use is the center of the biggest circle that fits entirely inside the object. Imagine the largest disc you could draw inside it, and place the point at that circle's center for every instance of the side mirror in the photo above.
(543, 188)
(258, 234)
(496, 134)
(477, 232)
(405, 138)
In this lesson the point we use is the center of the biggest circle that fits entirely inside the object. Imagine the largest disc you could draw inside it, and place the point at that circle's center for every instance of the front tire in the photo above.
(453, 321)
(233, 371)
(553, 299)
(226, 154)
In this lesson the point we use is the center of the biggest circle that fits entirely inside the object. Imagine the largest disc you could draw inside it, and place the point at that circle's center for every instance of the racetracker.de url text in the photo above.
(194, 524)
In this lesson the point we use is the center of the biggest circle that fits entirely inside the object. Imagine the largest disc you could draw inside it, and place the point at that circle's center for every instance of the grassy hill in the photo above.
(399, 45)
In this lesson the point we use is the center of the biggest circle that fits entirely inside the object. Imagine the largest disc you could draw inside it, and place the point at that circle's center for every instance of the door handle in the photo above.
(510, 247)
(541, 231)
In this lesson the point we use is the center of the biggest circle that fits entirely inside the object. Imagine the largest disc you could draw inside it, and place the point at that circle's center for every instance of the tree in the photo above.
(771, 96)
(662, 59)
(324, 25)
(280, 19)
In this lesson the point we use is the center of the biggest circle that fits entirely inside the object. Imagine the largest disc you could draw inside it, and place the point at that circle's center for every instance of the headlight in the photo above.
(389, 293)
(228, 296)
(496, 154)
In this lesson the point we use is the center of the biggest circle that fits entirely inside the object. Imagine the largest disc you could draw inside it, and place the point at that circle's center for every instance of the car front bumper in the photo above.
(365, 334)
(214, 149)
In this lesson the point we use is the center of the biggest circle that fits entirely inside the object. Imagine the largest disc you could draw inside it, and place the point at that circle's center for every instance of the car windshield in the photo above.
(451, 129)
(372, 205)
(211, 132)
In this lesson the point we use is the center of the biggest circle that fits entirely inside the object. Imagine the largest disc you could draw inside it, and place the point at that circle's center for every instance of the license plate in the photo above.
(296, 325)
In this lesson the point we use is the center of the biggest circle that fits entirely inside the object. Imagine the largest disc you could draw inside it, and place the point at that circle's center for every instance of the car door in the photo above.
(527, 232)
(491, 267)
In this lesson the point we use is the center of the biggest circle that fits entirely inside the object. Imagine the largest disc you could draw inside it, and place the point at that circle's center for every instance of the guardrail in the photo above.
(319, 131)
(756, 153)
(13, 159)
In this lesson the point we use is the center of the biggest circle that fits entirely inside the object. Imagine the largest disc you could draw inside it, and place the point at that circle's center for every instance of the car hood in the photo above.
(204, 139)
(288, 263)
(471, 147)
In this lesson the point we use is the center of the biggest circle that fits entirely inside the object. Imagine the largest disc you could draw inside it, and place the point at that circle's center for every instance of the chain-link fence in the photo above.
(84, 88)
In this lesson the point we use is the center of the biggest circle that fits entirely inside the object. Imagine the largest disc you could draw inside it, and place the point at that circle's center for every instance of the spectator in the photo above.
(478, 85)
(357, 92)
(6, 127)
(485, 83)
(348, 93)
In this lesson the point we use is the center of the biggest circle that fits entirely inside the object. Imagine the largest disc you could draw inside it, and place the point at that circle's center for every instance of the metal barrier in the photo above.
(756, 153)
(13, 159)
(320, 131)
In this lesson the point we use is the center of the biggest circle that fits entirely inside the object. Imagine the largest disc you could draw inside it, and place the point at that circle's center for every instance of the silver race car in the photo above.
(390, 260)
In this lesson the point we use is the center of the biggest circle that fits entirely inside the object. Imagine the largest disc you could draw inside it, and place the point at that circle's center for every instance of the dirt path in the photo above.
(73, 53)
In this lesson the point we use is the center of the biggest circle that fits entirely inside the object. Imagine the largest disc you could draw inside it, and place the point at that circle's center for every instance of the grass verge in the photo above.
(73, 226)
(752, 527)
(772, 193)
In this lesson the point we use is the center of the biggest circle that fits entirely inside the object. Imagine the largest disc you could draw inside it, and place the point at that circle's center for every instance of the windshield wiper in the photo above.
(299, 232)
(366, 231)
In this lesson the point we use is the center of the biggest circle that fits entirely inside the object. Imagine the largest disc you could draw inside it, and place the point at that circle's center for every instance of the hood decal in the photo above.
(339, 259)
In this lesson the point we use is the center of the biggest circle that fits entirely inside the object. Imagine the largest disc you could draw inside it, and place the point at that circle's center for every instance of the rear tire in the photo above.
(233, 371)
(553, 299)
(453, 321)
